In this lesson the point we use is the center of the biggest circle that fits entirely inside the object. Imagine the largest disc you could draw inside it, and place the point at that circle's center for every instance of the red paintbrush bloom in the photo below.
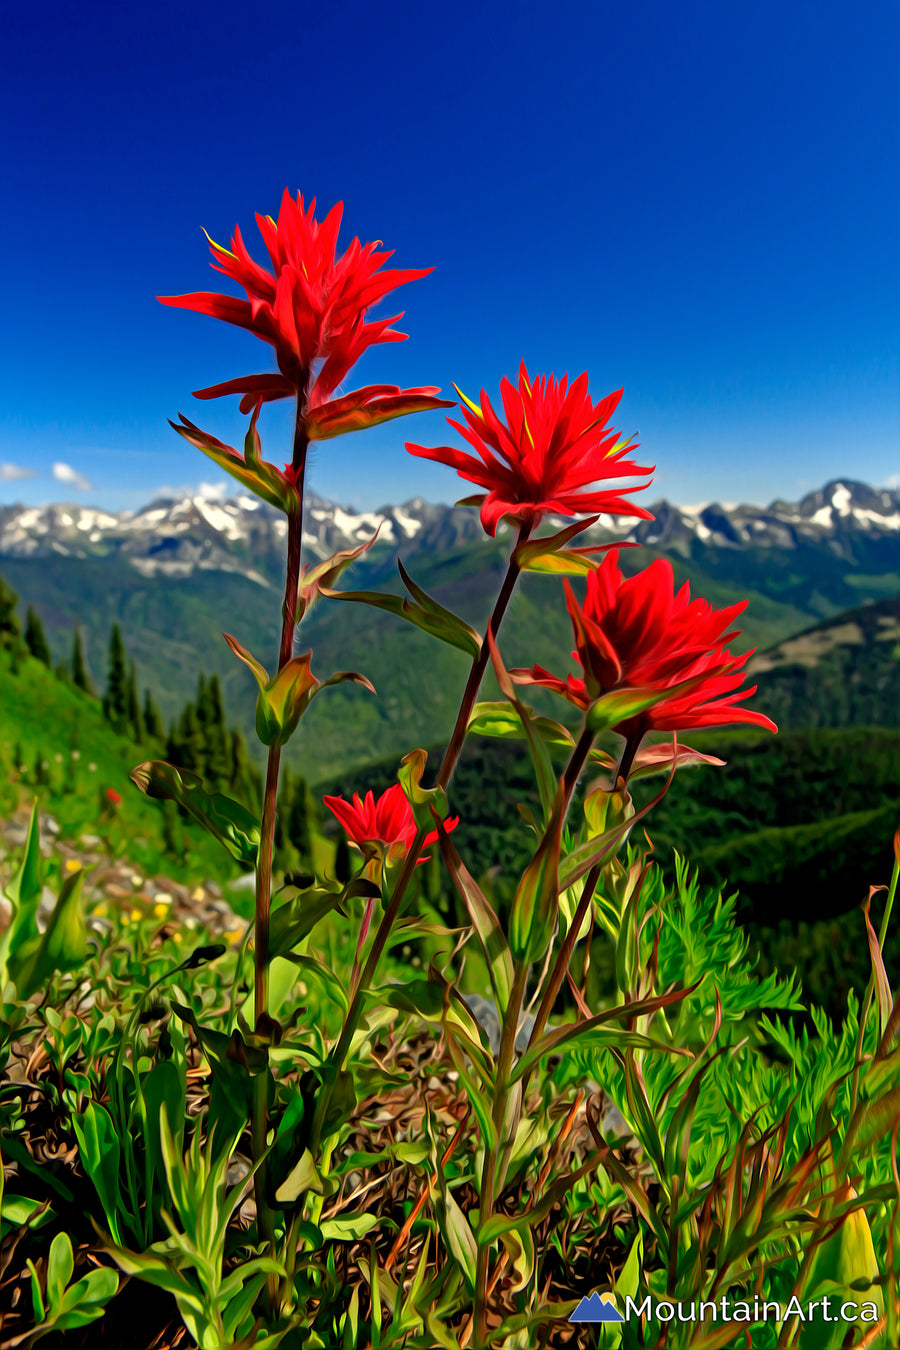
(553, 446)
(389, 821)
(639, 640)
(311, 308)
(113, 797)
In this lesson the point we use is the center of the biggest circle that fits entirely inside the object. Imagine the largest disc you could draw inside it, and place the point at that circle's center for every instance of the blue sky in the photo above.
(699, 202)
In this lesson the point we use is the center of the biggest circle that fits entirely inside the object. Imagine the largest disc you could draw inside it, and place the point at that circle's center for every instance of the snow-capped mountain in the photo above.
(177, 536)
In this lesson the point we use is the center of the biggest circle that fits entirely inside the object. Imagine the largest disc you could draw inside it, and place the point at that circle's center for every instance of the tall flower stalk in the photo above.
(311, 309)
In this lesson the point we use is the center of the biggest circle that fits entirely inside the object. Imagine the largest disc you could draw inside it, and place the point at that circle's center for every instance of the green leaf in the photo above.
(879, 974)
(575, 1031)
(350, 1228)
(63, 944)
(253, 472)
(60, 1266)
(285, 698)
(24, 894)
(302, 1177)
(86, 1300)
(425, 802)
(485, 922)
(457, 1233)
(236, 828)
(533, 914)
(537, 749)
(300, 911)
(423, 611)
(99, 1149)
(502, 720)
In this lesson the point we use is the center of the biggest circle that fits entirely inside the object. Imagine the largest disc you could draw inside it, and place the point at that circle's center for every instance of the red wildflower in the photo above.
(552, 447)
(389, 821)
(311, 308)
(113, 797)
(637, 634)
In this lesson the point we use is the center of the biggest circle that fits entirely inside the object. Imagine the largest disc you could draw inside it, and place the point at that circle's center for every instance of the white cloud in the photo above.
(10, 472)
(64, 473)
(211, 492)
(892, 480)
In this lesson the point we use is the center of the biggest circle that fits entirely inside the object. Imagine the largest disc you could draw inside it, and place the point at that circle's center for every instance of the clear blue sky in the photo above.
(700, 202)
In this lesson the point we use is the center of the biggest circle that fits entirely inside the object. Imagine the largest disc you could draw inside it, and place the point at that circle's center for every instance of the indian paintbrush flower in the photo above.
(554, 445)
(311, 308)
(389, 821)
(657, 657)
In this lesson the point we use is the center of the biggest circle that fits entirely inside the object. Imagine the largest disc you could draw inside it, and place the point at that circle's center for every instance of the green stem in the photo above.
(561, 964)
(259, 1127)
(492, 1175)
(870, 989)
(448, 764)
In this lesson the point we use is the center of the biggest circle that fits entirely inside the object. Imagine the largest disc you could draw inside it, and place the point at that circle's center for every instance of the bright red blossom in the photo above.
(637, 633)
(113, 797)
(553, 446)
(311, 308)
(388, 821)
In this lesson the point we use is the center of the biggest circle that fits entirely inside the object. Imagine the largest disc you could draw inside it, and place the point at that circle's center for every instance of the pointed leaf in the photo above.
(258, 476)
(236, 828)
(485, 922)
(63, 944)
(502, 720)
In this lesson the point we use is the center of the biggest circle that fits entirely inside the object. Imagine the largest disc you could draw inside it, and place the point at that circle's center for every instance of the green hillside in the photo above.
(173, 628)
(56, 745)
(844, 672)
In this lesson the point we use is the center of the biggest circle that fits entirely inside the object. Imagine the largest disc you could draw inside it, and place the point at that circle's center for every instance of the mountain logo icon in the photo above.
(597, 1308)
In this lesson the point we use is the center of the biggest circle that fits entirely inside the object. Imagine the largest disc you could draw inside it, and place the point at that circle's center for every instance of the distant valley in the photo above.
(181, 570)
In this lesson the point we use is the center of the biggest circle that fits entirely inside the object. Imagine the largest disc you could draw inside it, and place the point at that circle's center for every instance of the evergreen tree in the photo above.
(216, 748)
(9, 621)
(343, 865)
(299, 830)
(80, 677)
(244, 779)
(191, 739)
(115, 701)
(173, 746)
(133, 710)
(281, 840)
(35, 639)
(153, 724)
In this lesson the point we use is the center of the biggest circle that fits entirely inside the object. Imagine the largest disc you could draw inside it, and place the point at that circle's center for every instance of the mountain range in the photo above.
(177, 572)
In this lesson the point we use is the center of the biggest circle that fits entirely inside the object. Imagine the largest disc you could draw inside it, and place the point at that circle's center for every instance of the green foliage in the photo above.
(35, 639)
(80, 677)
(9, 621)
(115, 700)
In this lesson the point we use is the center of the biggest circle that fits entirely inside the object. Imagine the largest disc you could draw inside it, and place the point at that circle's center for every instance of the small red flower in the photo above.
(553, 446)
(389, 821)
(311, 308)
(113, 797)
(636, 633)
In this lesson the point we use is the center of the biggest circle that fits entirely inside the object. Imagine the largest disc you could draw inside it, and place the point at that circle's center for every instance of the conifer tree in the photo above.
(9, 621)
(343, 866)
(191, 739)
(173, 745)
(215, 736)
(133, 710)
(35, 640)
(299, 830)
(153, 724)
(281, 840)
(80, 677)
(115, 701)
